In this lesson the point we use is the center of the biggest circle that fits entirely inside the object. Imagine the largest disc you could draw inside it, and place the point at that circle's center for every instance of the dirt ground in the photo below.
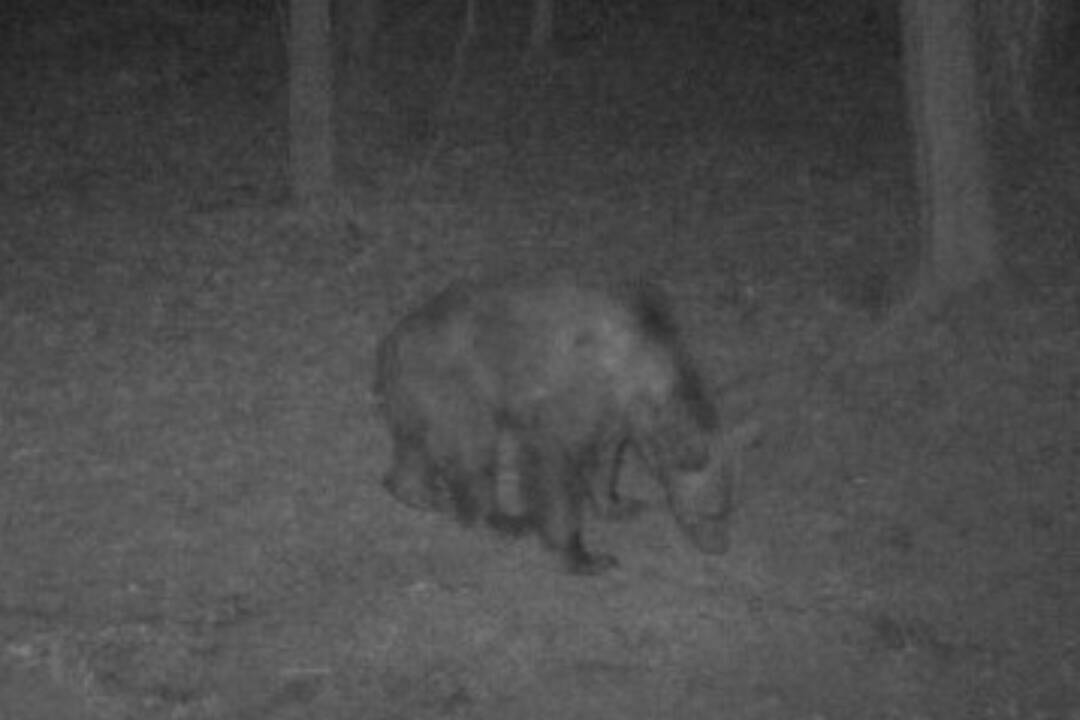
(191, 523)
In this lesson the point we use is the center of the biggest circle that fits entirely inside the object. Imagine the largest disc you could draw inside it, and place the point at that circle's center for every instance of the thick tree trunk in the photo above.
(358, 23)
(310, 81)
(959, 243)
(1016, 34)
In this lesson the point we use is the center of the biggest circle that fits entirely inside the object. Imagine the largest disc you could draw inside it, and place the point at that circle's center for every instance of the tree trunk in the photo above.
(543, 25)
(311, 156)
(959, 243)
(358, 23)
(1016, 33)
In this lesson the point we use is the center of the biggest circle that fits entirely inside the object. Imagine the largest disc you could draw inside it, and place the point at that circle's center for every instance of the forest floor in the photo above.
(191, 522)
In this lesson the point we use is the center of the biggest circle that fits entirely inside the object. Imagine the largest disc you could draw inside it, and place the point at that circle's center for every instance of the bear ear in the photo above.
(653, 309)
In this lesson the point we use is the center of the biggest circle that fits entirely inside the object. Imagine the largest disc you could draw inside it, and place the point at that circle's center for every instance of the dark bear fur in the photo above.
(568, 374)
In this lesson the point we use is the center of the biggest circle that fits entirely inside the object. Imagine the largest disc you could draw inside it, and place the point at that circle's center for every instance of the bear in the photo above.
(561, 376)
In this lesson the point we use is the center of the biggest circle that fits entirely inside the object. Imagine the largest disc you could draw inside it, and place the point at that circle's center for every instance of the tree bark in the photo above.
(311, 147)
(959, 241)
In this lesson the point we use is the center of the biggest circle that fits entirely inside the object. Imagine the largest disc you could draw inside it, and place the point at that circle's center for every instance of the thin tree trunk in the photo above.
(543, 25)
(472, 21)
(310, 81)
(959, 242)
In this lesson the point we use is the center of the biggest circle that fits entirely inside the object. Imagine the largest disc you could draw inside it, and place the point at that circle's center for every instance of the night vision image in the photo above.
(536, 359)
